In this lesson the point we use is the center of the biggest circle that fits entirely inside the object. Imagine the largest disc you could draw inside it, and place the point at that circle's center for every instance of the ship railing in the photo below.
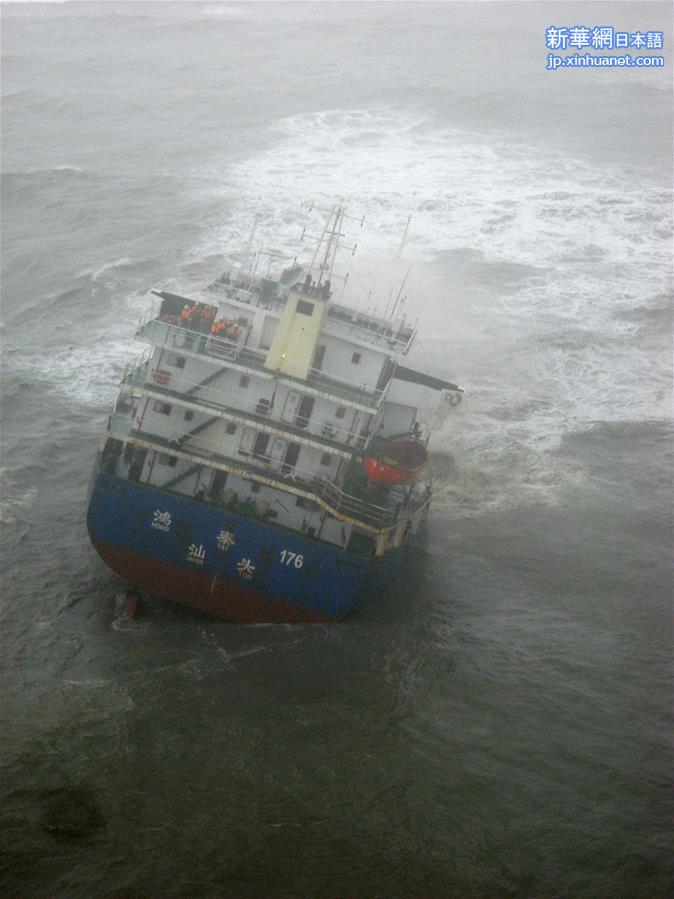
(169, 335)
(369, 332)
(242, 293)
(265, 466)
(138, 368)
(139, 373)
(340, 318)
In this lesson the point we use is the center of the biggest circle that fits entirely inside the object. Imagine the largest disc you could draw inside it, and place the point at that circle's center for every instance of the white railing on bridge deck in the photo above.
(178, 337)
(366, 328)
(369, 331)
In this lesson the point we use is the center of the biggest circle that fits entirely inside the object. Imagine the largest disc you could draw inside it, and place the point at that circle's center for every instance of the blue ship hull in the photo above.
(226, 564)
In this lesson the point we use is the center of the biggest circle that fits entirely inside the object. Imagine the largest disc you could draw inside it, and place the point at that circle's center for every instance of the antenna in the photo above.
(331, 239)
(249, 245)
(399, 292)
(387, 302)
(402, 242)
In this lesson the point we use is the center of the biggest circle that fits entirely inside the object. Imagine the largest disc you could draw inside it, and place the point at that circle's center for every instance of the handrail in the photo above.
(137, 373)
(306, 480)
(372, 331)
(178, 337)
(372, 335)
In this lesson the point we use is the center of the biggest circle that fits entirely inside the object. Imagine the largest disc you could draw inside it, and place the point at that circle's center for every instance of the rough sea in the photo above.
(499, 723)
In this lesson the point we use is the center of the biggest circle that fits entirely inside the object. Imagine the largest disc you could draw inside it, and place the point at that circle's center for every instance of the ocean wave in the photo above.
(88, 375)
(15, 500)
(548, 247)
(495, 471)
(550, 231)
(97, 273)
(223, 11)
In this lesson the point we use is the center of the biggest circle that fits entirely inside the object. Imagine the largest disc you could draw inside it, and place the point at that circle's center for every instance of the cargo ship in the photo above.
(265, 460)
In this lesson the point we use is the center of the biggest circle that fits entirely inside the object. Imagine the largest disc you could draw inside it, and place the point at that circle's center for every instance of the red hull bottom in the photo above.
(202, 591)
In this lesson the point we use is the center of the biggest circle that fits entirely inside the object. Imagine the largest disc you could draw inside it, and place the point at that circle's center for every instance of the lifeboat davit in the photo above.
(396, 462)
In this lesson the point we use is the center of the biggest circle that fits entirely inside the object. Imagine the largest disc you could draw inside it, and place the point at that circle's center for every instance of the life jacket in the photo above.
(209, 314)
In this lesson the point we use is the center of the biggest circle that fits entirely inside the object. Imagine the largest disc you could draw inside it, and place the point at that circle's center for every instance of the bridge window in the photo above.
(231, 428)
(305, 308)
(340, 412)
(355, 358)
(189, 415)
(244, 381)
(175, 360)
(164, 408)
(326, 459)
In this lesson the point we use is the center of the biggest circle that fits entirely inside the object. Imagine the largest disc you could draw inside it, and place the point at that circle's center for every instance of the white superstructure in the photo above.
(264, 396)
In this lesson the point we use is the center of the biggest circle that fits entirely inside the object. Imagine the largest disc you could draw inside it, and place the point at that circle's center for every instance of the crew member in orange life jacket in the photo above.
(195, 316)
(233, 331)
(208, 319)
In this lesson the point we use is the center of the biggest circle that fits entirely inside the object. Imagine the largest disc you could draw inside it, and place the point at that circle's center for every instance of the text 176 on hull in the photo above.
(264, 459)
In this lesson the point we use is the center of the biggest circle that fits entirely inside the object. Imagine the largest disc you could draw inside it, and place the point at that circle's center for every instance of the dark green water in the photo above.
(500, 723)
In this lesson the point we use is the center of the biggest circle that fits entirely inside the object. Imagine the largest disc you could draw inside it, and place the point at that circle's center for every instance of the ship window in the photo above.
(175, 360)
(244, 381)
(340, 412)
(305, 308)
(231, 428)
(326, 458)
(165, 459)
(260, 445)
(189, 415)
(164, 408)
(255, 488)
(355, 358)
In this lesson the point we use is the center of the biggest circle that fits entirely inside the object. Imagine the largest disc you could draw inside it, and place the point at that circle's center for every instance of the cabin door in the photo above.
(304, 410)
(290, 458)
(317, 364)
(278, 452)
(291, 406)
(247, 441)
(260, 445)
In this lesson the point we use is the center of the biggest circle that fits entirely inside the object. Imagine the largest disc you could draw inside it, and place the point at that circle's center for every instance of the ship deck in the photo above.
(350, 508)
(137, 376)
(168, 335)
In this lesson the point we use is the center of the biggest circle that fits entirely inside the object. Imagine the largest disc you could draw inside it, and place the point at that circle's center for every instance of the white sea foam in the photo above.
(97, 273)
(511, 202)
(223, 11)
(87, 375)
(563, 248)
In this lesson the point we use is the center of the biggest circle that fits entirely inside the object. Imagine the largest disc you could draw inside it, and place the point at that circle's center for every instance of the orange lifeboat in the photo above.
(396, 462)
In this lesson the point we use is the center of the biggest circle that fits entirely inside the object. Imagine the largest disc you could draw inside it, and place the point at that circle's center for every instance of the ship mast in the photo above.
(323, 261)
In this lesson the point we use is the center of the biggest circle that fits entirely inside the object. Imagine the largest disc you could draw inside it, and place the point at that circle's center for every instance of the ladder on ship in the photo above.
(198, 429)
(181, 477)
(213, 375)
